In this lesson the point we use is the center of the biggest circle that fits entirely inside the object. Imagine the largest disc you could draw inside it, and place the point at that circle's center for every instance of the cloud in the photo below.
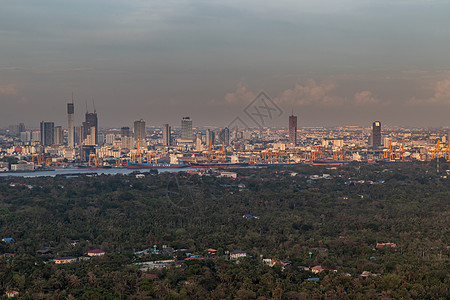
(241, 94)
(311, 93)
(365, 98)
(441, 94)
(8, 90)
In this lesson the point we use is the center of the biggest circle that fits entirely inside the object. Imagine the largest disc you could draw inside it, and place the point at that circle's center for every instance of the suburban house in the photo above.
(64, 260)
(236, 254)
(212, 252)
(272, 262)
(382, 245)
(320, 268)
(96, 252)
(12, 294)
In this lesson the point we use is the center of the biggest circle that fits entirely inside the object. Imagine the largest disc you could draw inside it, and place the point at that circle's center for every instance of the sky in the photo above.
(331, 63)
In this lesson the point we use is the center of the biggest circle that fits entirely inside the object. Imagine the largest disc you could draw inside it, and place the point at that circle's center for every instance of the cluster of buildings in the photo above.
(51, 144)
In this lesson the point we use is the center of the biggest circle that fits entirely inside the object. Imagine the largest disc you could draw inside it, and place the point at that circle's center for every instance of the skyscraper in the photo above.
(47, 133)
(376, 134)
(59, 137)
(293, 129)
(139, 131)
(224, 136)
(71, 131)
(210, 137)
(166, 135)
(91, 121)
(124, 131)
(186, 129)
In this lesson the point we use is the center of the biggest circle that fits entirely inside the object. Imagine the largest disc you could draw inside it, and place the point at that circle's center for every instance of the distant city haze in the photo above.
(331, 63)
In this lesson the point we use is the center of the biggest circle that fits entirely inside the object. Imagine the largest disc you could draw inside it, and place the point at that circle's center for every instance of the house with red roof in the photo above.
(382, 245)
(320, 268)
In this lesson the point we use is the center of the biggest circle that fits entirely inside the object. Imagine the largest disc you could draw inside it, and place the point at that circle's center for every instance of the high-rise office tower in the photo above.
(71, 130)
(78, 135)
(47, 133)
(293, 129)
(224, 136)
(166, 135)
(139, 131)
(59, 137)
(376, 134)
(91, 121)
(21, 127)
(210, 137)
(124, 131)
(186, 129)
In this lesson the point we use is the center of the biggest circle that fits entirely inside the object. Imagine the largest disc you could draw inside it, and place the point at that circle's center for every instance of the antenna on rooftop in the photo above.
(93, 104)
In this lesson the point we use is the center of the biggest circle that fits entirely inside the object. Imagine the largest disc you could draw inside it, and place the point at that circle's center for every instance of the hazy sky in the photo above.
(334, 62)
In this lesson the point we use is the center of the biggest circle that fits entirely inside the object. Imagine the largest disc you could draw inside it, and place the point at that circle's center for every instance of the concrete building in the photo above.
(91, 123)
(125, 131)
(166, 135)
(70, 126)
(376, 134)
(186, 129)
(59, 136)
(139, 132)
(210, 138)
(224, 136)
(293, 129)
(47, 133)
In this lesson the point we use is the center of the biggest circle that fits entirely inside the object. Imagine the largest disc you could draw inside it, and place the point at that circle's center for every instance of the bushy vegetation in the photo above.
(333, 221)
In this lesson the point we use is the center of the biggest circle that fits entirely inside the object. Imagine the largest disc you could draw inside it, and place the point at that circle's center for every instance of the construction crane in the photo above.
(446, 152)
(222, 154)
(338, 155)
(94, 160)
(388, 153)
(48, 162)
(399, 154)
(36, 159)
(435, 153)
(316, 153)
(208, 155)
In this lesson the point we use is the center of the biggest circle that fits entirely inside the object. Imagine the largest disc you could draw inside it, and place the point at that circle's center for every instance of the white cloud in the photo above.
(441, 93)
(241, 94)
(365, 98)
(8, 90)
(311, 93)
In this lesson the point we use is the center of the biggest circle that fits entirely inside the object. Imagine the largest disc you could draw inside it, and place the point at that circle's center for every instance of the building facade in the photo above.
(139, 131)
(376, 134)
(47, 133)
(186, 129)
(293, 130)
(166, 135)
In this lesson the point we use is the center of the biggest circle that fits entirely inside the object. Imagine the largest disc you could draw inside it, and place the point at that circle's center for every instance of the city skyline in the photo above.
(334, 63)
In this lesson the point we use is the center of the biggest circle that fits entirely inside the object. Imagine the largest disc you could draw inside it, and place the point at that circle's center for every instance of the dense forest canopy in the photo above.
(300, 216)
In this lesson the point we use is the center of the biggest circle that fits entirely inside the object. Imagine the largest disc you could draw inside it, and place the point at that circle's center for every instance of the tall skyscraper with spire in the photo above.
(293, 129)
(71, 129)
